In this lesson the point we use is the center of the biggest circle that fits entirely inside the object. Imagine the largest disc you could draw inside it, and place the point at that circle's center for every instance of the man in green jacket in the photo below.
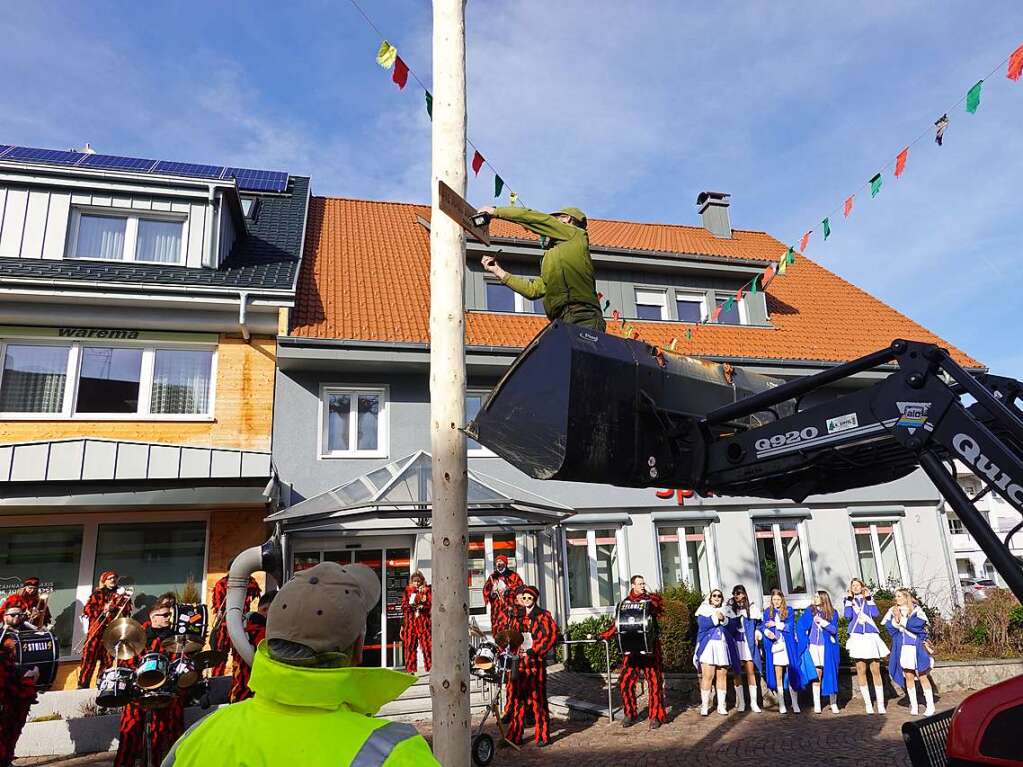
(311, 706)
(566, 280)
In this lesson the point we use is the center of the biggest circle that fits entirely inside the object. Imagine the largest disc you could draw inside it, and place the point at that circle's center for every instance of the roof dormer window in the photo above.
(126, 237)
(249, 207)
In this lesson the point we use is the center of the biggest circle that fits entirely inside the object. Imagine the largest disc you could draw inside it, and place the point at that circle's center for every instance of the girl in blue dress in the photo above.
(908, 625)
(817, 631)
(715, 650)
(864, 644)
(745, 627)
(781, 657)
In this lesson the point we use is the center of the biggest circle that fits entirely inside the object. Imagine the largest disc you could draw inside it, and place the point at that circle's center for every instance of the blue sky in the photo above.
(627, 110)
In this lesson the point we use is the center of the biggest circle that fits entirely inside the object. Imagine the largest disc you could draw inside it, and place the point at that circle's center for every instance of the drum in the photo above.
(183, 673)
(508, 664)
(152, 670)
(189, 628)
(637, 629)
(38, 649)
(486, 656)
(116, 687)
(161, 697)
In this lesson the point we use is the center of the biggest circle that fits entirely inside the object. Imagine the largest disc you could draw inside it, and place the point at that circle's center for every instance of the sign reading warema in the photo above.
(103, 334)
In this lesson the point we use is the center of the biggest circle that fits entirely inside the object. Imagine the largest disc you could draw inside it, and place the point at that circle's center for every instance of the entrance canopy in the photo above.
(404, 490)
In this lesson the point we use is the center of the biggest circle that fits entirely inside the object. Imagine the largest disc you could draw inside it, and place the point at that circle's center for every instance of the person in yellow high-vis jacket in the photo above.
(566, 283)
(311, 707)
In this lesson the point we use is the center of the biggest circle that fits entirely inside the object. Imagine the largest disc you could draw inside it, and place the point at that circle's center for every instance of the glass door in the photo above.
(398, 574)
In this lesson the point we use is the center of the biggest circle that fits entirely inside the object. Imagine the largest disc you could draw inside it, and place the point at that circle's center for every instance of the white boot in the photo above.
(722, 706)
(795, 700)
(879, 689)
(740, 699)
(929, 697)
(865, 692)
(704, 702)
(753, 699)
(780, 697)
(816, 698)
(834, 703)
(913, 708)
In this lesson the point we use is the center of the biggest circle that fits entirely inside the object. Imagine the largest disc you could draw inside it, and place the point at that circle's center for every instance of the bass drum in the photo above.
(38, 649)
(637, 630)
(116, 687)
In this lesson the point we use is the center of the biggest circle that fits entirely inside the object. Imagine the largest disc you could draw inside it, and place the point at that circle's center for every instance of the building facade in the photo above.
(352, 404)
(140, 306)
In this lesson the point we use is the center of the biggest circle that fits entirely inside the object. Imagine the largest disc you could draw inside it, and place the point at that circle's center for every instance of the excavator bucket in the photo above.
(586, 406)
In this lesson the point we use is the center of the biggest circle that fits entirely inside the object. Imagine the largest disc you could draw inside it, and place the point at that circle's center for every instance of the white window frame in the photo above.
(693, 297)
(875, 545)
(149, 349)
(90, 522)
(591, 557)
(131, 230)
(740, 307)
(522, 304)
(779, 556)
(953, 522)
(660, 299)
(383, 421)
(709, 542)
(480, 452)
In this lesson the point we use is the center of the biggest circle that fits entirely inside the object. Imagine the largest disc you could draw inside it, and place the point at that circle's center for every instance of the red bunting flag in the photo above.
(477, 162)
(739, 294)
(717, 312)
(900, 162)
(847, 208)
(768, 275)
(400, 74)
(804, 241)
(1015, 64)
(615, 315)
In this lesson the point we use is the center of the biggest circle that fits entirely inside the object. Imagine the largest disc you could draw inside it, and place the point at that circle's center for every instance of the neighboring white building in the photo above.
(970, 560)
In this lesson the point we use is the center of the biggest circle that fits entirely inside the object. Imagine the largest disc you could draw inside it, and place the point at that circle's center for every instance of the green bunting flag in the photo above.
(973, 97)
(790, 256)
(826, 225)
(875, 185)
(729, 304)
(429, 104)
(498, 186)
(689, 336)
(753, 286)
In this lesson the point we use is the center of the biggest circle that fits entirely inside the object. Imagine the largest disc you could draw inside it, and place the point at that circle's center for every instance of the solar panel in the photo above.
(258, 180)
(4, 148)
(55, 156)
(188, 169)
(117, 163)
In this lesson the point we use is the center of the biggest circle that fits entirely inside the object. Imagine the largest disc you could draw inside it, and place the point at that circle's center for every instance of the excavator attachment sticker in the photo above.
(914, 415)
(843, 423)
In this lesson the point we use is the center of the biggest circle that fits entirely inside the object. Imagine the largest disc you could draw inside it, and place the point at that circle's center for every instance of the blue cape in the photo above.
(915, 625)
(749, 637)
(791, 677)
(829, 674)
(704, 628)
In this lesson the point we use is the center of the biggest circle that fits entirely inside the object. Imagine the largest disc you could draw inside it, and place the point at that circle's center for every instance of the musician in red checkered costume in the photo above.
(17, 686)
(255, 630)
(219, 639)
(166, 724)
(37, 612)
(499, 593)
(416, 627)
(636, 664)
(103, 605)
(529, 691)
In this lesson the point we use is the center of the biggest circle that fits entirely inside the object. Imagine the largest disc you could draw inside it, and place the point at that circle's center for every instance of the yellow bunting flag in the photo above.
(513, 198)
(674, 343)
(386, 55)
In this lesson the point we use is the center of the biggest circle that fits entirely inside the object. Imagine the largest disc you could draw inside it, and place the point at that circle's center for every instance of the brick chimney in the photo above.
(713, 208)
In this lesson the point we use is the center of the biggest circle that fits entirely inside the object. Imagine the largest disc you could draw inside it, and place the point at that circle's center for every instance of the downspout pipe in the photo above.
(243, 304)
(266, 558)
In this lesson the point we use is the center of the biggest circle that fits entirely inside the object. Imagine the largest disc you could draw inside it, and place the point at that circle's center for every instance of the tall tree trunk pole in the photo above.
(449, 679)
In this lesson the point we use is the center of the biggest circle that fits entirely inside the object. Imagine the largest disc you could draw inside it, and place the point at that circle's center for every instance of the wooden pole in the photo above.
(449, 678)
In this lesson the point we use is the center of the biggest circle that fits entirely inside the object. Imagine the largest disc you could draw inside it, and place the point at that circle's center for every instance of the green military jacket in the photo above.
(566, 272)
(308, 717)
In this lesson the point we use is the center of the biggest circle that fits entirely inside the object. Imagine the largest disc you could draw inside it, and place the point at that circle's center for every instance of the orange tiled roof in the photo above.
(366, 276)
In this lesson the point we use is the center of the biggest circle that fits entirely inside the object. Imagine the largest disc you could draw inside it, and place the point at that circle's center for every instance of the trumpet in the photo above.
(37, 614)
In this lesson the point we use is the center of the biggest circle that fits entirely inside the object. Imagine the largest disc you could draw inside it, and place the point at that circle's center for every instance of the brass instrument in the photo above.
(36, 614)
(116, 607)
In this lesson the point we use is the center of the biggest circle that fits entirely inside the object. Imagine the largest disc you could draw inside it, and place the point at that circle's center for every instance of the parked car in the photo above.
(977, 588)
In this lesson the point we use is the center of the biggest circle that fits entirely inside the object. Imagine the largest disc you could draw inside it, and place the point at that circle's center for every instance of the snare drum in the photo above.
(189, 626)
(161, 697)
(152, 670)
(39, 649)
(183, 673)
(486, 656)
(116, 687)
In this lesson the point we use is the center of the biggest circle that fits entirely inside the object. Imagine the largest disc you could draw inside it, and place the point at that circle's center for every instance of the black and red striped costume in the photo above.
(219, 639)
(17, 695)
(29, 603)
(416, 626)
(636, 665)
(499, 593)
(529, 691)
(166, 724)
(255, 629)
(94, 654)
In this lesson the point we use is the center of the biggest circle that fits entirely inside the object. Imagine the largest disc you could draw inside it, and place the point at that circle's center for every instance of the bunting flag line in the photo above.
(477, 162)
(513, 198)
(847, 207)
(973, 98)
(386, 55)
(429, 104)
(674, 343)
(805, 240)
(498, 185)
(689, 336)
(400, 74)
(826, 227)
(900, 162)
(939, 129)
(790, 256)
(1015, 64)
(875, 185)
(753, 285)
(782, 266)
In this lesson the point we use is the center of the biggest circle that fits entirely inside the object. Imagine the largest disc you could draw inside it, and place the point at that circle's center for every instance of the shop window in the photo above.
(33, 378)
(108, 380)
(52, 554)
(155, 557)
(685, 557)
(878, 553)
(129, 237)
(354, 422)
(483, 549)
(780, 556)
(182, 382)
(594, 579)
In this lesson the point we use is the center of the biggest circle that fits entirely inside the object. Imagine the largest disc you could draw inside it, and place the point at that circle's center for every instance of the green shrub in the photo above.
(678, 627)
(589, 658)
(1016, 621)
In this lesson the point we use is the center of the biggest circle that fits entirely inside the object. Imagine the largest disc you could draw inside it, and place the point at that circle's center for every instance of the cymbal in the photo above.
(180, 644)
(506, 637)
(124, 638)
(208, 659)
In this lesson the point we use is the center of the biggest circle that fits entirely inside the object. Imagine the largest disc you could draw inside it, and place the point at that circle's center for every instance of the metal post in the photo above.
(449, 680)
